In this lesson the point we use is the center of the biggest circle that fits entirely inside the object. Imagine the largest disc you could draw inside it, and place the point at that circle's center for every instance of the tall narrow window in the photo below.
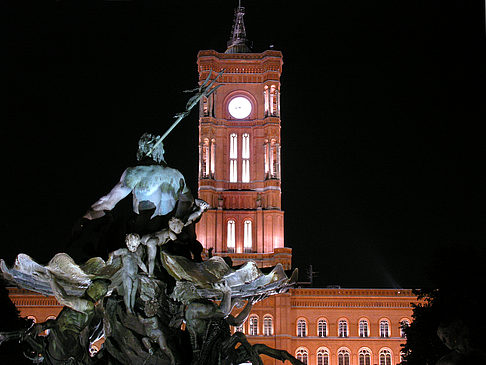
(322, 328)
(384, 328)
(245, 155)
(301, 328)
(253, 329)
(363, 328)
(343, 328)
(343, 357)
(247, 237)
(267, 326)
(205, 159)
(265, 98)
(231, 236)
(385, 357)
(212, 157)
(302, 354)
(233, 157)
(322, 357)
(364, 357)
(403, 327)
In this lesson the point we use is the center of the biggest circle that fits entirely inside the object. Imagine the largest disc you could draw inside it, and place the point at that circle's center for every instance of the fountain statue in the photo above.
(154, 301)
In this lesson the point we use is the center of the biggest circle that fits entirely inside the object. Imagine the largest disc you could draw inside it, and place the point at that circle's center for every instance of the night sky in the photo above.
(381, 107)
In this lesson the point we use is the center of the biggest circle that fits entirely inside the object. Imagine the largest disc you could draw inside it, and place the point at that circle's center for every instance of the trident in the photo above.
(202, 90)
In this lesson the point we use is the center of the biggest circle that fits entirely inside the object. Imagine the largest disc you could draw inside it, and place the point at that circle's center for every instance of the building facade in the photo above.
(240, 177)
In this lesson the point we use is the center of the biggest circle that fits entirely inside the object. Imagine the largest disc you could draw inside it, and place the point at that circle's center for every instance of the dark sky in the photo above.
(381, 107)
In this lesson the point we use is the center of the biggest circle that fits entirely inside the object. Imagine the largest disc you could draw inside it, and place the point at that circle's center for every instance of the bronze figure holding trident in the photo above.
(154, 186)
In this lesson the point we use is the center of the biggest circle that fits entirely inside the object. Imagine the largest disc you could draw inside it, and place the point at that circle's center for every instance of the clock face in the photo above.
(239, 107)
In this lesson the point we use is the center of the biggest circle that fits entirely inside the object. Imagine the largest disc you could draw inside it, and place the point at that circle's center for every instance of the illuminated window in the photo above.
(266, 99)
(247, 242)
(267, 326)
(384, 328)
(343, 328)
(253, 327)
(363, 328)
(301, 328)
(364, 357)
(240, 328)
(233, 157)
(322, 357)
(302, 354)
(245, 155)
(231, 235)
(343, 357)
(322, 328)
(385, 357)
(404, 324)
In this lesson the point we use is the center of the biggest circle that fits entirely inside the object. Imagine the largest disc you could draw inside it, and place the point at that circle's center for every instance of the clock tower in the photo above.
(240, 153)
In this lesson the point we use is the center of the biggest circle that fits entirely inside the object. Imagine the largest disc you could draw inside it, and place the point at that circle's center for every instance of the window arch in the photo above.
(231, 235)
(322, 356)
(233, 157)
(384, 328)
(253, 325)
(32, 318)
(302, 354)
(247, 237)
(301, 328)
(385, 357)
(343, 357)
(267, 325)
(343, 328)
(322, 328)
(364, 356)
(364, 329)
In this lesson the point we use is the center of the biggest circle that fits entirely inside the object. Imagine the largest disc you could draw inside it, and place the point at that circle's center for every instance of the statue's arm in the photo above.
(225, 305)
(140, 262)
(242, 316)
(108, 202)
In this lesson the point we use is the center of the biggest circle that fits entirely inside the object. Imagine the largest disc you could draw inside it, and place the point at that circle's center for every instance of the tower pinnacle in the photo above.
(238, 42)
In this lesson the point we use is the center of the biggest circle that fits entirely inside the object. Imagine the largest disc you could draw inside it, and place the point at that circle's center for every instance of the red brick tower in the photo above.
(239, 153)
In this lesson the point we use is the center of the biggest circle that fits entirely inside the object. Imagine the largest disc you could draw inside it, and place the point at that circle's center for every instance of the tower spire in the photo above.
(238, 42)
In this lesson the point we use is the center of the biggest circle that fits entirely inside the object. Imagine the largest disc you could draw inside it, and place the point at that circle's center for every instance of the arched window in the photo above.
(247, 238)
(322, 328)
(384, 328)
(245, 155)
(233, 157)
(267, 326)
(343, 357)
(301, 328)
(253, 328)
(364, 328)
(364, 356)
(231, 236)
(302, 354)
(404, 324)
(322, 356)
(385, 357)
(343, 328)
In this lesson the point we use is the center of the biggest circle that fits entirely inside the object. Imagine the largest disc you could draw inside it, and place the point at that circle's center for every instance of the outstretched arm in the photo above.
(109, 201)
(242, 316)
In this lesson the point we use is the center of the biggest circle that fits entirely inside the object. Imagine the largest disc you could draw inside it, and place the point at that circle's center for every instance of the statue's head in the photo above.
(176, 225)
(132, 240)
(145, 145)
(98, 289)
